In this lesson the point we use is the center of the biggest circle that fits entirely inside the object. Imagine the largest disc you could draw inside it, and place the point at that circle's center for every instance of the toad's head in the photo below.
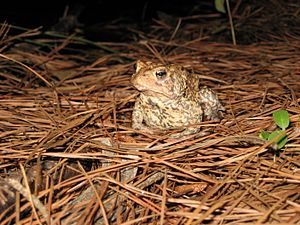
(158, 80)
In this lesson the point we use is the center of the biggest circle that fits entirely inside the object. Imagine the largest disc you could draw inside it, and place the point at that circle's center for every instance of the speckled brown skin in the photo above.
(170, 98)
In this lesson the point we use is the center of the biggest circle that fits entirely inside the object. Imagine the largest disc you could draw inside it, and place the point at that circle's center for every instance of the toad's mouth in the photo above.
(157, 94)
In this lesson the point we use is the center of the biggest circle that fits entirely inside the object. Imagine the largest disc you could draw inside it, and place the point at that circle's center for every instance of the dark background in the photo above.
(46, 13)
(120, 21)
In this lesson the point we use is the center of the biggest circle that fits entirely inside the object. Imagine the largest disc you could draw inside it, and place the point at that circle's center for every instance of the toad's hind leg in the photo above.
(212, 106)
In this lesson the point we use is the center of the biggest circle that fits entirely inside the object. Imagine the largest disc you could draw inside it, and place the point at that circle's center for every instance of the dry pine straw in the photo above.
(74, 115)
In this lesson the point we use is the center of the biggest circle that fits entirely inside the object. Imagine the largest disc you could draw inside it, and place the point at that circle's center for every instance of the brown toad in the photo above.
(171, 97)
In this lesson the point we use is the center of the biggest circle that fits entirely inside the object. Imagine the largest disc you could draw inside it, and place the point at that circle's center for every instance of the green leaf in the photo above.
(274, 134)
(281, 118)
(281, 141)
(219, 5)
(264, 135)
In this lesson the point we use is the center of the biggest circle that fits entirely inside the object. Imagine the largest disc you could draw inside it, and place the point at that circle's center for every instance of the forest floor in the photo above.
(70, 156)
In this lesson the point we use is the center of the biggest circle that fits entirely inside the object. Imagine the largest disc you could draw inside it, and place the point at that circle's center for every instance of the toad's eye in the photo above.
(161, 74)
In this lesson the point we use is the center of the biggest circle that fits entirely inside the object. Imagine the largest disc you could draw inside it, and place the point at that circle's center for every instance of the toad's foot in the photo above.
(187, 131)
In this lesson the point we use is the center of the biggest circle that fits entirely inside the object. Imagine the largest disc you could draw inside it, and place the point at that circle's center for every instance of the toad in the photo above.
(171, 97)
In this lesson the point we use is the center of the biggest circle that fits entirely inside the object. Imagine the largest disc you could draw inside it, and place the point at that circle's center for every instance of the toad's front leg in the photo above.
(138, 118)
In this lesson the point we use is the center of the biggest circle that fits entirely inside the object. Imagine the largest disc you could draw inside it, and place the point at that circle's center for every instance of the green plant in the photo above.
(282, 120)
(220, 6)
